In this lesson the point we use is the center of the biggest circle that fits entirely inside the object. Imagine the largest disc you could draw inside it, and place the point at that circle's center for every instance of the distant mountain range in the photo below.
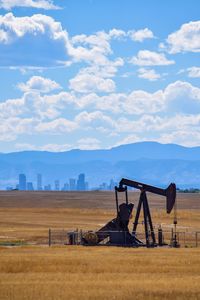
(149, 162)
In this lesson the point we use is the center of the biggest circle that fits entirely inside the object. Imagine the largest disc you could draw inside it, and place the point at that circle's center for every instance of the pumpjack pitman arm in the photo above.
(169, 192)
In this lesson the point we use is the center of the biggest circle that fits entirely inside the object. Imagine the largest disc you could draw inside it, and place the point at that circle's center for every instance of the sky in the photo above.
(93, 74)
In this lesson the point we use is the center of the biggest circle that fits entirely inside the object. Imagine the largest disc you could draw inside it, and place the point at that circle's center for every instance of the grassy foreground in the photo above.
(75, 272)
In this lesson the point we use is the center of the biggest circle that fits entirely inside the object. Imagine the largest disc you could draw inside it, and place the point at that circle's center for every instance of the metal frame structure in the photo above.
(169, 193)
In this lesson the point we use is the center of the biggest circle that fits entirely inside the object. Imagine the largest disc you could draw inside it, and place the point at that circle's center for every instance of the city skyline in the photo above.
(72, 184)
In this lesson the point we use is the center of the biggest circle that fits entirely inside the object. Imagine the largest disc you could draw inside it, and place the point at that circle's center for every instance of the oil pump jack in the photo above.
(117, 231)
(169, 193)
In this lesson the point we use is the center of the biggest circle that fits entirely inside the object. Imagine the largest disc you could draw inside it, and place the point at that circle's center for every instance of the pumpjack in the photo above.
(117, 231)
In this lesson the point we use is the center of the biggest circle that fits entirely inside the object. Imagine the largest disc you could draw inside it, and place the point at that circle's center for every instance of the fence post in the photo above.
(49, 237)
(81, 237)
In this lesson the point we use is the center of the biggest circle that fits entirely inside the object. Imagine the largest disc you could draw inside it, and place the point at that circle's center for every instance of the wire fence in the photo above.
(55, 236)
(65, 237)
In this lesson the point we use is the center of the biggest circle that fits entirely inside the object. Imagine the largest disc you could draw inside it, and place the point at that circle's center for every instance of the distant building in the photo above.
(112, 185)
(39, 182)
(22, 182)
(81, 182)
(72, 184)
(65, 187)
(87, 186)
(9, 188)
(47, 187)
(57, 185)
(103, 186)
(30, 186)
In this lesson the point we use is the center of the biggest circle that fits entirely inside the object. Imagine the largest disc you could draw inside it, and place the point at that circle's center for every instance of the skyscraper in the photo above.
(81, 182)
(47, 187)
(30, 186)
(39, 182)
(22, 182)
(57, 185)
(72, 184)
(65, 187)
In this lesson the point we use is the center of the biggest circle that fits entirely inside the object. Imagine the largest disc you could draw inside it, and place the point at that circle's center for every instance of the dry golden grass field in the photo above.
(78, 272)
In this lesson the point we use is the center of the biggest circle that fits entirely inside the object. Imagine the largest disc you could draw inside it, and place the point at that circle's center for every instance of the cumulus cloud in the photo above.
(194, 72)
(141, 35)
(186, 39)
(148, 74)
(88, 144)
(47, 147)
(96, 120)
(181, 128)
(83, 144)
(174, 108)
(140, 101)
(16, 27)
(34, 37)
(84, 83)
(44, 4)
(92, 48)
(150, 58)
(38, 83)
(12, 127)
(186, 138)
(117, 33)
(57, 126)
(96, 78)
(12, 108)
(182, 97)
(27, 31)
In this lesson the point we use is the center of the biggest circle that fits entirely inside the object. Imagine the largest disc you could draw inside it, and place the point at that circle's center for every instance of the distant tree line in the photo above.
(189, 190)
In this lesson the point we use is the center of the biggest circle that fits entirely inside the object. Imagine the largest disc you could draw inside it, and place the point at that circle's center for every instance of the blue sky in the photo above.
(92, 74)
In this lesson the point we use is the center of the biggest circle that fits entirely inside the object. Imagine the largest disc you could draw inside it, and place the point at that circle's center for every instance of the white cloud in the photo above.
(11, 108)
(12, 127)
(84, 83)
(34, 36)
(83, 144)
(47, 147)
(141, 35)
(175, 108)
(88, 144)
(194, 72)
(186, 39)
(149, 74)
(188, 138)
(48, 106)
(96, 78)
(182, 89)
(16, 27)
(178, 96)
(138, 102)
(57, 126)
(150, 58)
(38, 83)
(108, 70)
(93, 49)
(129, 139)
(117, 33)
(181, 129)
(44, 4)
(94, 120)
